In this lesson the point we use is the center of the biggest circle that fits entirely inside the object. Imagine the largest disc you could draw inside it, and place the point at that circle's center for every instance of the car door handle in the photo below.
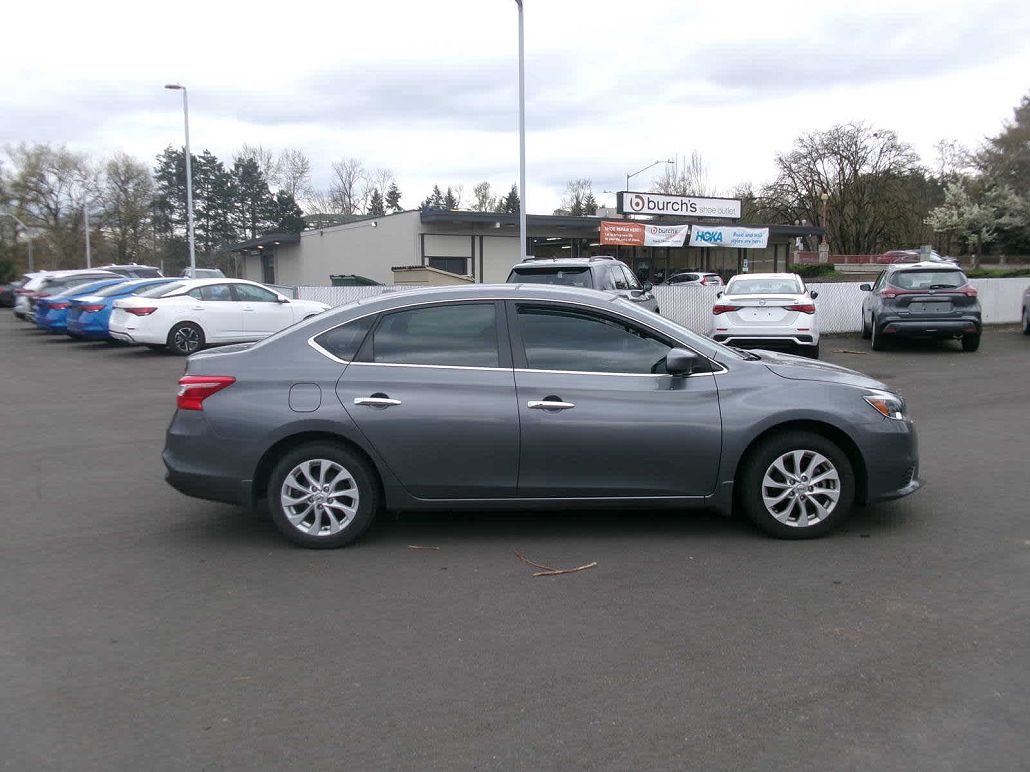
(549, 404)
(196, 308)
(376, 401)
(248, 308)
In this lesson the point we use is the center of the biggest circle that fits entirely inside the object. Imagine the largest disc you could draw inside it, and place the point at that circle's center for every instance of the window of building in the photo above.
(460, 335)
(458, 265)
(561, 339)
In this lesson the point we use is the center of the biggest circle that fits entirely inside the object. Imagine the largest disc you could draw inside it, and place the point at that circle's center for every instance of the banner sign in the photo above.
(637, 234)
(687, 206)
(729, 236)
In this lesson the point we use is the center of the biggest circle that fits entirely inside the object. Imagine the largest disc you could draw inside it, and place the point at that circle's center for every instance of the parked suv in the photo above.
(925, 300)
(694, 279)
(135, 271)
(601, 272)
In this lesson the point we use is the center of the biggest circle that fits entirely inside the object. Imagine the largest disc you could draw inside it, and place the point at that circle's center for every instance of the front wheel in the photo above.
(797, 485)
(322, 496)
(867, 332)
(1026, 321)
(970, 342)
(878, 342)
(185, 338)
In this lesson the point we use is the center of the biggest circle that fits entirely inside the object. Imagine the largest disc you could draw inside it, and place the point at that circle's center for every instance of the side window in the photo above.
(617, 278)
(631, 279)
(879, 281)
(462, 335)
(253, 294)
(564, 339)
(211, 292)
(344, 341)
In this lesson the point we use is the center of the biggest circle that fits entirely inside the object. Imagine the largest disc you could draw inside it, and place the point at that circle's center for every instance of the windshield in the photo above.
(919, 280)
(766, 286)
(576, 276)
(161, 290)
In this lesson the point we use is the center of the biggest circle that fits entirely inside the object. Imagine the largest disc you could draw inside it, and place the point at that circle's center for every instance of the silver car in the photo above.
(600, 272)
(519, 396)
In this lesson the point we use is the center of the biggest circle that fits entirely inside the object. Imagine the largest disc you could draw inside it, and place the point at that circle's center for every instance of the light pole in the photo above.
(522, 136)
(825, 197)
(85, 212)
(824, 246)
(634, 174)
(28, 235)
(189, 176)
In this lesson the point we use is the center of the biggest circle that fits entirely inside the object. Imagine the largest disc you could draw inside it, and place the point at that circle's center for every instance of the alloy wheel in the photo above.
(186, 339)
(801, 488)
(319, 497)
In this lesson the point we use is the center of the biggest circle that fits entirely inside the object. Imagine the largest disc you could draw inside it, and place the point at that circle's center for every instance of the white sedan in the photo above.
(187, 315)
(767, 310)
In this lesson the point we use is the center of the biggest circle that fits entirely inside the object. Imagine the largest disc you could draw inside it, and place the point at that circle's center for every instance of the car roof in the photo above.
(931, 264)
(78, 272)
(766, 276)
(570, 262)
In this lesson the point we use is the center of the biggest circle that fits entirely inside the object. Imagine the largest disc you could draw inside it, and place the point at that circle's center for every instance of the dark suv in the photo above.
(600, 272)
(925, 300)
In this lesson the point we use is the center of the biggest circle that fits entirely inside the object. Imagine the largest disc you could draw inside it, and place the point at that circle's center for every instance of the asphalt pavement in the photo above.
(143, 630)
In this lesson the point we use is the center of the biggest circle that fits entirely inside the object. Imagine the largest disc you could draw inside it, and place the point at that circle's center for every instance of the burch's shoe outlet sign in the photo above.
(690, 206)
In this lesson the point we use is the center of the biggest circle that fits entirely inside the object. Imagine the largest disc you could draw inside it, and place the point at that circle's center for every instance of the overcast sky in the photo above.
(429, 89)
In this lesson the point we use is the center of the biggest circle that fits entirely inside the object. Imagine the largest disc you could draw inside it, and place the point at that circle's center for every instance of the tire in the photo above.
(970, 342)
(761, 479)
(185, 338)
(877, 339)
(867, 332)
(353, 508)
(812, 352)
(1026, 321)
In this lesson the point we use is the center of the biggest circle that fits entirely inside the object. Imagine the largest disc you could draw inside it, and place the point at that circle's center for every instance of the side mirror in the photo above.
(679, 361)
(814, 294)
(648, 286)
(865, 287)
(281, 299)
(718, 294)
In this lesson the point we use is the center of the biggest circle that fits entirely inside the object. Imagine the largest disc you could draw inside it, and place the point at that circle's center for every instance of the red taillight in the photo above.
(22, 292)
(91, 309)
(194, 389)
(889, 294)
(59, 306)
(722, 309)
(969, 291)
(804, 308)
(145, 311)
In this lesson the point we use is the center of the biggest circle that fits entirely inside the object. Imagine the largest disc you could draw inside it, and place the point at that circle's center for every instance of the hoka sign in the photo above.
(729, 236)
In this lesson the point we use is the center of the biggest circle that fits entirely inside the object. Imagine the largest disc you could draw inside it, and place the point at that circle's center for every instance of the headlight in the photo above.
(886, 404)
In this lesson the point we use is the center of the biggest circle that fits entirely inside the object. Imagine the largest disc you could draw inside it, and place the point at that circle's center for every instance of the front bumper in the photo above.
(891, 453)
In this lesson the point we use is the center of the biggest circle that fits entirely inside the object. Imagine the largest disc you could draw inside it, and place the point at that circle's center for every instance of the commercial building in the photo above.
(484, 245)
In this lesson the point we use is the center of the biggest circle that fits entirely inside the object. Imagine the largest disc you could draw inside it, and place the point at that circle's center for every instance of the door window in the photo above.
(631, 280)
(617, 278)
(344, 341)
(211, 292)
(461, 335)
(563, 339)
(254, 294)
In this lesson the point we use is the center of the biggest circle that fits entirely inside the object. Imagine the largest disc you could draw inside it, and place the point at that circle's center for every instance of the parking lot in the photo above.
(146, 630)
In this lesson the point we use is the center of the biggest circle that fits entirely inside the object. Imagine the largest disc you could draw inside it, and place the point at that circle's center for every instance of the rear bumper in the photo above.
(765, 341)
(123, 336)
(930, 328)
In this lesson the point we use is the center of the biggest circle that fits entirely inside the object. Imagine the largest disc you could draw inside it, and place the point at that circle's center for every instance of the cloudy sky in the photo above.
(428, 89)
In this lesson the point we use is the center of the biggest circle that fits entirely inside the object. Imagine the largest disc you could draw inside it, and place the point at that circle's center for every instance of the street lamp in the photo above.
(634, 174)
(522, 136)
(825, 197)
(27, 233)
(189, 177)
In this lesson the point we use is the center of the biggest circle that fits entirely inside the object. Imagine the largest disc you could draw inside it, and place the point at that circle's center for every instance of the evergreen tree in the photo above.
(287, 216)
(393, 197)
(252, 198)
(436, 199)
(590, 205)
(449, 201)
(510, 203)
(375, 205)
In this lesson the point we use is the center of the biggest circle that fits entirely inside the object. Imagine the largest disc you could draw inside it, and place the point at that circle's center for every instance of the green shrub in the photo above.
(7, 270)
(997, 273)
(812, 270)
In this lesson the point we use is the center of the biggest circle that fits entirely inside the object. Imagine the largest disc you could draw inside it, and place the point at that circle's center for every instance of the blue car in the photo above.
(90, 312)
(52, 311)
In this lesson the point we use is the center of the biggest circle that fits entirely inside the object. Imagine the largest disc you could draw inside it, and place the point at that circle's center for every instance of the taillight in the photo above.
(722, 309)
(93, 308)
(144, 311)
(22, 292)
(969, 292)
(804, 308)
(59, 306)
(194, 389)
(888, 293)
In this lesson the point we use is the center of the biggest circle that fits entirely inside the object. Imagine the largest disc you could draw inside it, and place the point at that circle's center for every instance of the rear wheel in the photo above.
(1026, 321)
(185, 338)
(970, 342)
(797, 485)
(322, 496)
(878, 341)
(867, 332)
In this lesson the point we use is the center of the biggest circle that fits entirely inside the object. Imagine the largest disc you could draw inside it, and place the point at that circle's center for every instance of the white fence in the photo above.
(839, 303)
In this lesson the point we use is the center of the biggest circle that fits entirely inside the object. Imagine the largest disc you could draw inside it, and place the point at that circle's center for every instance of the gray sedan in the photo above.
(527, 397)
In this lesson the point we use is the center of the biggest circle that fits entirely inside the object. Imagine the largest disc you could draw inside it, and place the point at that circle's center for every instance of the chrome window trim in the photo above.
(311, 341)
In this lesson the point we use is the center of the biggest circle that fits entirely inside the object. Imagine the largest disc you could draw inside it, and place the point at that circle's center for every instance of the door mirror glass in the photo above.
(864, 287)
(287, 300)
(814, 294)
(679, 361)
(718, 294)
(648, 286)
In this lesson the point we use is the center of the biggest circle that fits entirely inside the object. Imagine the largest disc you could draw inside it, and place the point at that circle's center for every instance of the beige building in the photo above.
(482, 245)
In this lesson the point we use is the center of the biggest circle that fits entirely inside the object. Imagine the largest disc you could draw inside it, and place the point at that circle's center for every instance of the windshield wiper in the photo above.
(748, 355)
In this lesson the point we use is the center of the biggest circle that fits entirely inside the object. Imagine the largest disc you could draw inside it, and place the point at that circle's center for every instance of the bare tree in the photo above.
(954, 161)
(379, 179)
(685, 177)
(485, 200)
(294, 173)
(268, 162)
(127, 194)
(349, 189)
(578, 195)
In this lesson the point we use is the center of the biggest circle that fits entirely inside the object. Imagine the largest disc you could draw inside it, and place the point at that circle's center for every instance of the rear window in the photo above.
(576, 276)
(763, 287)
(161, 290)
(920, 280)
(344, 341)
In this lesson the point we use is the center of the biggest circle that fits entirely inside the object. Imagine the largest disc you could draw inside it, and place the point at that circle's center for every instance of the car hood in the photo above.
(797, 368)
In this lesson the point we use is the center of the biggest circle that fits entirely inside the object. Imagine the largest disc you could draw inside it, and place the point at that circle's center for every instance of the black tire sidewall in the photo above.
(171, 336)
(758, 461)
(364, 479)
(971, 342)
(878, 342)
